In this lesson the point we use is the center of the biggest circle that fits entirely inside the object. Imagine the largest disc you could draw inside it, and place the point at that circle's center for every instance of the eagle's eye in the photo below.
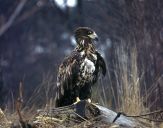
(89, 32)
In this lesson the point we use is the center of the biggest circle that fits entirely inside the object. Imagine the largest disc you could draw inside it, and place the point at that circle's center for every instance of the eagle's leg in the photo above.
(85, 93)
(77, 95)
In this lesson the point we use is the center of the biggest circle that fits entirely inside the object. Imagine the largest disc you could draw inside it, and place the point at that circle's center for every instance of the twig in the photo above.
(31, 12)
(17, 11)
(82, 117)
(21, 91)
(19, 102)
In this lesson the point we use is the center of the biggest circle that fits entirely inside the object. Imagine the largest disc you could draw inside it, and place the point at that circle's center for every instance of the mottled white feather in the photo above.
(88, 68)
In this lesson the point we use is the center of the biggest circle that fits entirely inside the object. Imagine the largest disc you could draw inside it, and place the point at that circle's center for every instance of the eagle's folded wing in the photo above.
(101, 63)
(67, 74)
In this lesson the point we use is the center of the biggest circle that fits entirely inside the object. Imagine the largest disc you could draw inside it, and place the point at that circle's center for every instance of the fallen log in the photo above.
(83, 114)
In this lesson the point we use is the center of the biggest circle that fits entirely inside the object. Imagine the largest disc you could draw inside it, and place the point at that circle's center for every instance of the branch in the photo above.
(32, 11)
(17, 11)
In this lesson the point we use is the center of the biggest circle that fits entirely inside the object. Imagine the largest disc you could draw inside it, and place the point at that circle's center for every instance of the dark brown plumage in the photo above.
(79, 71)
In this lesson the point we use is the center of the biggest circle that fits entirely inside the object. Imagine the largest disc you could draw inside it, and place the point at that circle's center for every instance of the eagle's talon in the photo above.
(89, 100)
(77, 100)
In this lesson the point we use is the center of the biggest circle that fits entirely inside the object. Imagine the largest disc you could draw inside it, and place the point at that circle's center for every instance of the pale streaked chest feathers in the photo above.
(87, 68)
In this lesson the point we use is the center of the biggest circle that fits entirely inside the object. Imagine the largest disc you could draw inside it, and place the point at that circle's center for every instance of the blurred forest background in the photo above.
(35, 35)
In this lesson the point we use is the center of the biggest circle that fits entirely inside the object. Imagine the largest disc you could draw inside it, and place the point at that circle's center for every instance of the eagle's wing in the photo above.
(101, 63)
(67, 74)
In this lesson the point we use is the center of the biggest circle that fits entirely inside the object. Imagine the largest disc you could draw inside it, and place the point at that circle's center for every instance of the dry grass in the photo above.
(128, 82)
(123, 92)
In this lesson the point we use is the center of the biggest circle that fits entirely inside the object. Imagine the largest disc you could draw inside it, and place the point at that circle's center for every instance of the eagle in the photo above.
(80, 70)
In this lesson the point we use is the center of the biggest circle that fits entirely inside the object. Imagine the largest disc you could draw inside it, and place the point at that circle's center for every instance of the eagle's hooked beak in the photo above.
(93, 36)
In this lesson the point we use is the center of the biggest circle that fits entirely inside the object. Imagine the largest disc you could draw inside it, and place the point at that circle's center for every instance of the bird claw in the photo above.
(77, 100)
(89, 100)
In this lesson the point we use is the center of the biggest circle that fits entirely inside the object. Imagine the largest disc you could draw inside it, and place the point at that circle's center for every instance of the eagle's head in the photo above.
(85, 36)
